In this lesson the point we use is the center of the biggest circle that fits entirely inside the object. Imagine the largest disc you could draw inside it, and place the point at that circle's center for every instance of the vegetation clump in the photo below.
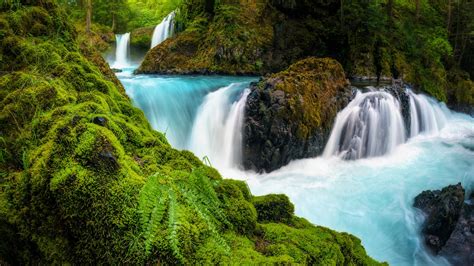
(85, 180)
(274, 208)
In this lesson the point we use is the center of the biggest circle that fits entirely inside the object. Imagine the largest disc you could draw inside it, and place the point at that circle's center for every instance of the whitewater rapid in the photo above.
(369, 197)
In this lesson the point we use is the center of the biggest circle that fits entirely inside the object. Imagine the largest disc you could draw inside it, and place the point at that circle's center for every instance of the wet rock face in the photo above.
(398, 90)
(449, 226)
(289, 115)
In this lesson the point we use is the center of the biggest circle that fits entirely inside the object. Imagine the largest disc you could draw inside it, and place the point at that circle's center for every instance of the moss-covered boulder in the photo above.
(85, 180)
(274, 208)
(289, 114)
(141, 38)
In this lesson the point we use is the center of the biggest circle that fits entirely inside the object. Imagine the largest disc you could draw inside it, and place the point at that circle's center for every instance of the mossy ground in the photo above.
(84, 179)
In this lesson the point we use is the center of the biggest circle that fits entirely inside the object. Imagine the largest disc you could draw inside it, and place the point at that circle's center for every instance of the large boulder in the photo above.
(289, 115)
(449, 226)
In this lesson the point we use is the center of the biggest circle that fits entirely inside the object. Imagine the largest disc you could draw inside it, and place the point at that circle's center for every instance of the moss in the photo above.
(282, 240)
(232, 41)
(239, 211)
(274, 208)
(141, 38)
(310, 87)
(85, 180)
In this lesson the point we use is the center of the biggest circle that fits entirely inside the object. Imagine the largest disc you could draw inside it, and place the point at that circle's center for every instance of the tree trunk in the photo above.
(390, 9)
(417, 14)
(88, 16)
(342, 12)
(113, 22)
(448, 24)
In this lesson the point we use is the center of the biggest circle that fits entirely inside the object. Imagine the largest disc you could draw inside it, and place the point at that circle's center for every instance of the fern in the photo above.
(153, 202)
(173, 226)
(165, 202)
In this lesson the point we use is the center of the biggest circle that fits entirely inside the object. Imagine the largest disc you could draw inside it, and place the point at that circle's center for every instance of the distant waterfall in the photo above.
(372, 124)
(164, 30)
(426, 116)
(122, 50)
(217, 130)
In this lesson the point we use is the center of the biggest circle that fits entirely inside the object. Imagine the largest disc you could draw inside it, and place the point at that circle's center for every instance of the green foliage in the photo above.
(146, 13)
(373, 39)
(85, 180)
(274, 208)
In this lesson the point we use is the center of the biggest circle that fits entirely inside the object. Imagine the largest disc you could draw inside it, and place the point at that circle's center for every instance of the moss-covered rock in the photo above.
(245, 37)
(85, 180)
(141, 38)
(274, 208)
(289, 114)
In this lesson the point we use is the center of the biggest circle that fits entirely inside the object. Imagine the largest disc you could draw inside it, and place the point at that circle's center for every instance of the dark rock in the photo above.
(107, 160)
(449, 226)
(459, 249)
(398, 90)
(463, 108)
(289, 115)
(101, 121)
(116, 70)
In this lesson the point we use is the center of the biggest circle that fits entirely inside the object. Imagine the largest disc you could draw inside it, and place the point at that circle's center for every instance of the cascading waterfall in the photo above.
(427, 116)
(122, 50)
(369, 198)
(217, 130)
(371, 125)
(164, 30)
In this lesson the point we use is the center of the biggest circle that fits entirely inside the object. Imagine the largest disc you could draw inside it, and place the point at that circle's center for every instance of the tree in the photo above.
(88, 15)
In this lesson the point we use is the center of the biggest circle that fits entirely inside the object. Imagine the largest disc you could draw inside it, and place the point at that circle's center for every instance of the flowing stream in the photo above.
(370, 197)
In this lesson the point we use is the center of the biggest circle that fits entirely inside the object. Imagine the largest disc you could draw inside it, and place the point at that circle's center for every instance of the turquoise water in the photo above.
(370, 198)
(171, 103)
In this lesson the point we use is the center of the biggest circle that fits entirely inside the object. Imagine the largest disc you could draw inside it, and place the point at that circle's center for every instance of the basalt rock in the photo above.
(449, 226)
(289, 115)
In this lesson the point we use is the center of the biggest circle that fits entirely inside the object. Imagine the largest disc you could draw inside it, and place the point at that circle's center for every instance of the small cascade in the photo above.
(217, 130)
(122, 50)
(427, 116)
(164, 30)
(371, 125)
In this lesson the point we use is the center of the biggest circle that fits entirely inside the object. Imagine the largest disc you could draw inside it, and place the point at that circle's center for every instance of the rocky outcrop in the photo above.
(247, 37)
(289, 115)
(141, 38)
(449, 226)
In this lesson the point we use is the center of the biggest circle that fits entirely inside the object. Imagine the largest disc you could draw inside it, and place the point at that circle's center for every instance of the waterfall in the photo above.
(217, 130)
(122, 50)
(164, 30)
(427, 116)
(371, 125)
